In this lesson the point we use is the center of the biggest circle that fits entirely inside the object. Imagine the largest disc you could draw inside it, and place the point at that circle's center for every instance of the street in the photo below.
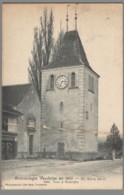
(45, 173)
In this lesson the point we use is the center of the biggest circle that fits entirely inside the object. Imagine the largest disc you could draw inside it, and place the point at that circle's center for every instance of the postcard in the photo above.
(62, 86)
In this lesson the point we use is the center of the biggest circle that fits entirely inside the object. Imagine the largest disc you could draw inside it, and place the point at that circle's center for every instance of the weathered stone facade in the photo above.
(30, 105)
(27, 127)
(78, 134)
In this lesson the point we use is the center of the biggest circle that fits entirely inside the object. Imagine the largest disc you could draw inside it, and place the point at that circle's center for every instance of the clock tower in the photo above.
(69, 103)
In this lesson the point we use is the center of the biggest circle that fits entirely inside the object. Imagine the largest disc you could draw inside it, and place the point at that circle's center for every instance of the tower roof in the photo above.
(71, 52)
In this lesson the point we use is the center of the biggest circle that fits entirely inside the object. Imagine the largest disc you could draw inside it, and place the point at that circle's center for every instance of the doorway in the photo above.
(61, 146)
(9, 149)
(31, 144)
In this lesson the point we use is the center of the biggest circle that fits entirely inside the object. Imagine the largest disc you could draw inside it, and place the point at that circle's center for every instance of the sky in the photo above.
(100, 30)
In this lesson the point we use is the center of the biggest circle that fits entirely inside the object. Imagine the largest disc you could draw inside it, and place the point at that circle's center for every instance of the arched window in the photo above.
(61, 106)
(87, 115)
(52, 82)
(61, 124)
(91, 84)
(91, 106)
(72, 79)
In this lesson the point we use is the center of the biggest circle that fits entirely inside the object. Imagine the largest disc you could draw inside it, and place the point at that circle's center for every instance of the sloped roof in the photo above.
(13, 94)
(8, 109)
(71, 52)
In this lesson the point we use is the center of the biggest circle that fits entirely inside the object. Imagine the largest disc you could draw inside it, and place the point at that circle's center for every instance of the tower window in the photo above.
(61, 106)
(87, 115)
(91, 84)
(72, 79)
(61, 124)
(91, 106)
(52, 82)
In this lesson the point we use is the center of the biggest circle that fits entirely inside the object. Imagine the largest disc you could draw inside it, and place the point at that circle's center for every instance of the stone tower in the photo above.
(69, 103)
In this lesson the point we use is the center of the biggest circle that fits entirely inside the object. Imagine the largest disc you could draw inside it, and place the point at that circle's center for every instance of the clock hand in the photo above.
(61, 83)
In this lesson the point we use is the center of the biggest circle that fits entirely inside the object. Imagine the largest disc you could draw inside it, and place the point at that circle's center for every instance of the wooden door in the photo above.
(61, 146)
(31, 144)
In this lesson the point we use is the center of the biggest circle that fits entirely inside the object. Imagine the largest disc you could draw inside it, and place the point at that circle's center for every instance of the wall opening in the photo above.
(31, 137)
(61, 106)
(72, 79)
(52, 82)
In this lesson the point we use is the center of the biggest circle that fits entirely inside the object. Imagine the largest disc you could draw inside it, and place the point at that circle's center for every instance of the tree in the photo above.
(47, 34)
(58, 44)
(35, 64)
(42, 49)
(114, 141)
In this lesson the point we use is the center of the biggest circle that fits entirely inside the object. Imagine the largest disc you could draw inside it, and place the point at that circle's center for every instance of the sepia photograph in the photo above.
(62, 96)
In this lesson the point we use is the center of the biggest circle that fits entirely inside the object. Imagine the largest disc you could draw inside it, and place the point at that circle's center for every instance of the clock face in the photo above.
(62, 82)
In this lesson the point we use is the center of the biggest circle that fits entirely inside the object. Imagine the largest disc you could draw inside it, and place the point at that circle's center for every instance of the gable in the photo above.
(14, 94)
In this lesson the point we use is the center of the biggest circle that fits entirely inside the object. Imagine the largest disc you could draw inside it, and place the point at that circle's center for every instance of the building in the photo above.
(9, 132)
(69, 104)
(21, 122)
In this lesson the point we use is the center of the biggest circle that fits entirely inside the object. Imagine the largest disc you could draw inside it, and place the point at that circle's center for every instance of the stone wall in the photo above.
(29, 105)
(51, 138)
(51, 115)
(79, 134)
(91, 106)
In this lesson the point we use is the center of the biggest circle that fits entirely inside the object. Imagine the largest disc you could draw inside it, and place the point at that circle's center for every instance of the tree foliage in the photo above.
(36, 62)
(114, 141)
(46, 22)
(57, 44)
(44, 49)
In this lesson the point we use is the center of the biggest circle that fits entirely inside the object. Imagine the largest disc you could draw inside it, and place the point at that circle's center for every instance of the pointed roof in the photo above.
(13, 94)
(71, 52)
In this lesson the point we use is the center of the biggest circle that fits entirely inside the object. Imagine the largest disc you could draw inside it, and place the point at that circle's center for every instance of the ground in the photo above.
(58, 174)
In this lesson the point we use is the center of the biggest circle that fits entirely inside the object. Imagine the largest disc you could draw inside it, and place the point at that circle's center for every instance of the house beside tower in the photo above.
(69, 103)
(21, 124)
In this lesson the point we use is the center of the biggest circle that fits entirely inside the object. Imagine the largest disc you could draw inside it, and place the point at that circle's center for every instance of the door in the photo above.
(61, 146)
(9, 149)
(31, 144)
